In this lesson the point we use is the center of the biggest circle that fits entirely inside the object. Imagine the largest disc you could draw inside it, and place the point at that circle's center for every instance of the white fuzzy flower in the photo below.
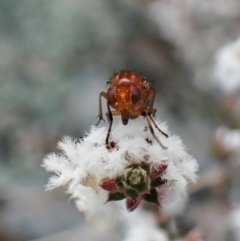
(227, 138)
(141, 226)
(226, 71)
(233, 222)
(134, 167)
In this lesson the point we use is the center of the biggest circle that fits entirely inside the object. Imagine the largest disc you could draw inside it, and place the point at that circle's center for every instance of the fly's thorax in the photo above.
(130, 77)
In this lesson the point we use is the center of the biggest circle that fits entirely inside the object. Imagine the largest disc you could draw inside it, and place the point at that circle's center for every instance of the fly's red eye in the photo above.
(135, 94)
(111, 95)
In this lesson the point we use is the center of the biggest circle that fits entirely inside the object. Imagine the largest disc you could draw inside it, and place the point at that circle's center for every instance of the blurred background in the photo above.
(55, 58)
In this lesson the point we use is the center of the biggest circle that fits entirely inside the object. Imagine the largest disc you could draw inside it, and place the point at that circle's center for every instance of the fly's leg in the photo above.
(115, 112)
(110, 119)
(100, 113)
(109, 114)
(146, 114)
(151, 111)
(154, 112)
(154, 123)
(152, 131)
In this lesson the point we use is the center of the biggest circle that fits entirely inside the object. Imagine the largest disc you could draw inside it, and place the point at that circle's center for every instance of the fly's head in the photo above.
(123, 95)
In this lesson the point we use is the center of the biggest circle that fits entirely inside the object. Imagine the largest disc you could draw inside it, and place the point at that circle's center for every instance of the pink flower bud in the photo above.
(132, 203)
(109, 185)
(158, 169)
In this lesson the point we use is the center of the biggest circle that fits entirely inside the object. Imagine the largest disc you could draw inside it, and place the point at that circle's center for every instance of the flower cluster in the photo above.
(133, 167)
(139, 181)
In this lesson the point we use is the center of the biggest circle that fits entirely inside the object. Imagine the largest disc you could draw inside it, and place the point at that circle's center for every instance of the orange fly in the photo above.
(130, 95)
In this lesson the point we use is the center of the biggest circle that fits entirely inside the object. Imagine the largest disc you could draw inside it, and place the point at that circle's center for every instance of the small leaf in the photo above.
(152, 197)
(132, 203)
(115, 196)
(158, 169)
(120, 182)
(158, 182)
(109, 185)
(131, 193)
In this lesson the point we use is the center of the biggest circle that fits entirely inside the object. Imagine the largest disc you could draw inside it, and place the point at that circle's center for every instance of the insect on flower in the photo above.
(130, 95)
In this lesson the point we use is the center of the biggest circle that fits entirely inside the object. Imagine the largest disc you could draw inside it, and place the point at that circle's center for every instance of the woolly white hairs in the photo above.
(133, 167)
